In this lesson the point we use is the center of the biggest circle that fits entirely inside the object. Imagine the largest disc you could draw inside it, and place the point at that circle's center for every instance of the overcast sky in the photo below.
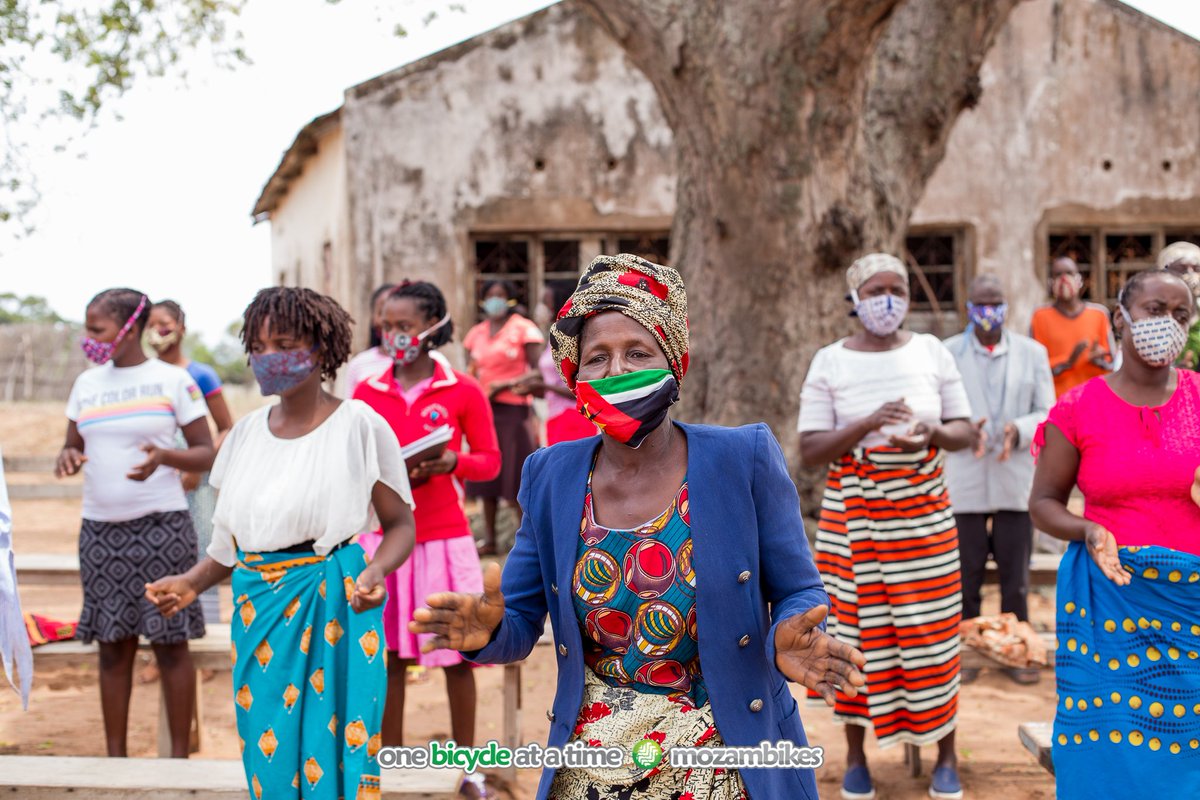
(161, 199)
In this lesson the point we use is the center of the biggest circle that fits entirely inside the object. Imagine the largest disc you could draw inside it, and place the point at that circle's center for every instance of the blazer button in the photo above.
(562, 650)
(745, 576)
(554, 588)
(745, 640)
(550, 716)
(756, 704)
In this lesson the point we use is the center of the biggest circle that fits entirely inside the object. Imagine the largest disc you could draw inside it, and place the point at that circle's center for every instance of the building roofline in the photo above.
(1129, 10)
(292, 163)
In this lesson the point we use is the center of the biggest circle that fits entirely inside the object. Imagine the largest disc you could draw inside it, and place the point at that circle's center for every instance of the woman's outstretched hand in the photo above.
(806, 654)
(461, 621)
(1102, 547)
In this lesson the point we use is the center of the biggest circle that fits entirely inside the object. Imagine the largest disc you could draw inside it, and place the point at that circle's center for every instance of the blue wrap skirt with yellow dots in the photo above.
(308, 676)
(1128, 668)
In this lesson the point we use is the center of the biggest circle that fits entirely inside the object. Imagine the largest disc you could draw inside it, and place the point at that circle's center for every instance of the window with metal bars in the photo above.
(1108, 257)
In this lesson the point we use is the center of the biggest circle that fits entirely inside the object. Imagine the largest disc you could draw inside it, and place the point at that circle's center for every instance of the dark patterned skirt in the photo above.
(117, 560)
(516, 445)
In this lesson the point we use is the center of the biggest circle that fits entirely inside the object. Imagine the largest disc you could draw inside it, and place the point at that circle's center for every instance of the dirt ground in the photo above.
(64, 713)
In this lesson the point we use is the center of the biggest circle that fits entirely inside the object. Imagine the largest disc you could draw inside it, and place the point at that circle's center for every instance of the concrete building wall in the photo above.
(541, 125)
(1088, 119)
(310, 229)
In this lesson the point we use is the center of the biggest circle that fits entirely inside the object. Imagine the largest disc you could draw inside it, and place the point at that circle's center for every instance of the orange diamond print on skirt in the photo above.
(257, 787)
(321, 589)
(368, 788)
(263, 653)
(317, 679)
(241, 745)
(291, 610)
(356, 734)
(369, 642)
(333, 632)
(233, 653)
(247, 614)
(296, 780)
(305, 638)
(252, 558)
(333, 725)
(312, 772)
(272, 575)
(348, 583)
(244, 698)
(267, 743)
(290, 695)
(374, 744)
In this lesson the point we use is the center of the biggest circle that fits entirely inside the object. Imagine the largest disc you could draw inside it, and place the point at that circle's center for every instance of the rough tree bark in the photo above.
(805, 131)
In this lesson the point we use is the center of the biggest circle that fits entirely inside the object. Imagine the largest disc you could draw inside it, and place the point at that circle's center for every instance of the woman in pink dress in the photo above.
(1128, 663)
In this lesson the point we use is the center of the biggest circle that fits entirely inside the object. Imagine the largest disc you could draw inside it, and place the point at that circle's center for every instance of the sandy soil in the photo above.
(64, 714)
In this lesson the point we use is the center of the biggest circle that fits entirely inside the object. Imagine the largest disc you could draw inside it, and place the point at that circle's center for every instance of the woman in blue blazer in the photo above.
(671, 559)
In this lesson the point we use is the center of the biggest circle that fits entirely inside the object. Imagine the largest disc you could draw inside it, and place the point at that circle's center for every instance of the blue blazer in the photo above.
(753, 570)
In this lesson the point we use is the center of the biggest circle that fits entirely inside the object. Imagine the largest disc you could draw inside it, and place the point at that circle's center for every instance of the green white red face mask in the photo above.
(628, 407)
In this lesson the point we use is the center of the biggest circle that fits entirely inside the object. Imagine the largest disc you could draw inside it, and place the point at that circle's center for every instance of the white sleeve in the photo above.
(188, 400)
(816, 398)
(388, 467)
(73, 401)
(228, 447)
(955, 404)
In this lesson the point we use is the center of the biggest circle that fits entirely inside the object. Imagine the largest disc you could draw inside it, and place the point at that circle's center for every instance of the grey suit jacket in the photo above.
(984, 485)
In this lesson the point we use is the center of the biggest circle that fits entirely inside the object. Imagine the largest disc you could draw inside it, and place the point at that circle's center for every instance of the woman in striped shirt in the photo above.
(880, 407)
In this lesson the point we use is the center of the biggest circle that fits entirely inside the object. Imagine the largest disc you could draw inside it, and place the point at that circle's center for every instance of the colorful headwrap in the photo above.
(1182, 252)
(871, 265)
(650, 294)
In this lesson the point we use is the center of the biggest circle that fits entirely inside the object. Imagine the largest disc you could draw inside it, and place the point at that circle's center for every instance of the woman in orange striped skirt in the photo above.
(880, 407)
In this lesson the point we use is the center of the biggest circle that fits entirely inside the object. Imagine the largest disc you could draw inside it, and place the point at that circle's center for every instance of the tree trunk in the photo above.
(805, 132)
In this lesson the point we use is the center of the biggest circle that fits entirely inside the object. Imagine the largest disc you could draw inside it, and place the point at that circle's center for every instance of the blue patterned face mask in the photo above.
(278, 372)
(987, 318)
(882, 314)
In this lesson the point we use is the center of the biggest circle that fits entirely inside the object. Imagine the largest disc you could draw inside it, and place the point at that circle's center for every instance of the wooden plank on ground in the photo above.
(211, 652)
(52, 777)
(47, 569)
(29, 464)
(45, 491)
(1036, 736)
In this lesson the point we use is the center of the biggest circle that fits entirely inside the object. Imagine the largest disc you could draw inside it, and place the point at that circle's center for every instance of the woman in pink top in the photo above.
(1128, 663)
(502, 351)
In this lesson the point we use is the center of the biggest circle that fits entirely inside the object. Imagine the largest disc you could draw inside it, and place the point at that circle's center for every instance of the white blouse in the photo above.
(275, 493)
(844, 386)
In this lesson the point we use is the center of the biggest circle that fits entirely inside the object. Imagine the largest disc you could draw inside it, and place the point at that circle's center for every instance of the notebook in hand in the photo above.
(429, 446)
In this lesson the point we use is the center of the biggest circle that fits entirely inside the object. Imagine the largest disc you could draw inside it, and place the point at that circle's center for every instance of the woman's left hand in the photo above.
(806, 654)
(369, 590)
(145, 469)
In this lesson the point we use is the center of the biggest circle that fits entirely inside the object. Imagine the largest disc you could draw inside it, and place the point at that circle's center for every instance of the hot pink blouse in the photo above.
(1136, 464)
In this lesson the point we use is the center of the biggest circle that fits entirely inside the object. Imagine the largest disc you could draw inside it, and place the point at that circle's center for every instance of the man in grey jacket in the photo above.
(1007, 378)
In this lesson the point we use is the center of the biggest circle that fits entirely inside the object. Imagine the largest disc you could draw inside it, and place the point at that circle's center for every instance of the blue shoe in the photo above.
(945, 784)
(857, 784)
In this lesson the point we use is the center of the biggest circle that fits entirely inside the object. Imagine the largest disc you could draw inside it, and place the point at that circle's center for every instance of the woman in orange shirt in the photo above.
(1075, 333)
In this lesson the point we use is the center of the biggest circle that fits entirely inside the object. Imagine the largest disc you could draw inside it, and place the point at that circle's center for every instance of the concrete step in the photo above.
(45, 491)
(54, 777)
(44, 464)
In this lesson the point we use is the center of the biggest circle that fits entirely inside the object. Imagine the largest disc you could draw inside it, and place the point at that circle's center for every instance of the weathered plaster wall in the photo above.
(539, 125)
(314, 212)
(1070, 85)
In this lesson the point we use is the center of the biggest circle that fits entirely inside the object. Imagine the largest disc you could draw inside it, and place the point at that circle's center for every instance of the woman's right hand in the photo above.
(1102, 547)
(69, 461)
(171, 594)
(894, 413)
(461, 621)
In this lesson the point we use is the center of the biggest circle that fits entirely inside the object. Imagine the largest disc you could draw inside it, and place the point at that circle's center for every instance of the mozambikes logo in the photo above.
(647, 754)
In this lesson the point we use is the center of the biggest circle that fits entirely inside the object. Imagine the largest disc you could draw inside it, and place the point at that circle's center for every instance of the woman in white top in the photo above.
(879, 407)
(124, 416)
(297, 481)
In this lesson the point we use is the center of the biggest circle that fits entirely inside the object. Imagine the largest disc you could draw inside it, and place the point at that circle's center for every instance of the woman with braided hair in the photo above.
(297, 481)
(420, 394)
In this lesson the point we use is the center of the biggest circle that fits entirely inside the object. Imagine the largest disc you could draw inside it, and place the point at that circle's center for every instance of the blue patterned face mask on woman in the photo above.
(1157, 340)
(882, 314)
(278, 372)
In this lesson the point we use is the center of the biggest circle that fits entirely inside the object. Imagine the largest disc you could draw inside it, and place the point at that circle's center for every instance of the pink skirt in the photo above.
(441, 565)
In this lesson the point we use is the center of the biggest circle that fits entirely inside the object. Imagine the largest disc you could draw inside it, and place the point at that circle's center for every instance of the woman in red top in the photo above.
(420, 394)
